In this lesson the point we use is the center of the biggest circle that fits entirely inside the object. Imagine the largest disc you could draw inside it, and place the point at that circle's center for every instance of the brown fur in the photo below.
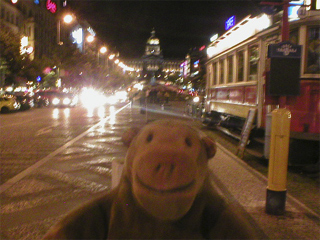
(164, 193)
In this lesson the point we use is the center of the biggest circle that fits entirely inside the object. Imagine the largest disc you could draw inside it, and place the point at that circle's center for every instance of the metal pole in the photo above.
(278, 162)
(279, 145)
(285, 21)
(284, 37)
(58, 32)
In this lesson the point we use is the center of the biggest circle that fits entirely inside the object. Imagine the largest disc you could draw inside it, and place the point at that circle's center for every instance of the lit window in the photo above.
(221, 65)
(230, 69)
(313, 56)
(240, 64)
(253, 63)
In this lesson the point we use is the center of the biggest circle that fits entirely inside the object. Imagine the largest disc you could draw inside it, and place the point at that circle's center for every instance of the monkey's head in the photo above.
(166, 164)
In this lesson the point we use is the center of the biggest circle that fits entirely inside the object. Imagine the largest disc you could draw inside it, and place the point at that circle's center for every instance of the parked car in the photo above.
(40, 100)
(8, 103)
(25, 100)
(63, 99)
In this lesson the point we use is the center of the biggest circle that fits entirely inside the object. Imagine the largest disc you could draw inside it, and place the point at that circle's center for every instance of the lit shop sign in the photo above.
(230, 22)
(51, 6)
(91, 31)
(196, 64)
(77, 36)
(202, 48)
(214, 37)
(296, 9)
(24, 46)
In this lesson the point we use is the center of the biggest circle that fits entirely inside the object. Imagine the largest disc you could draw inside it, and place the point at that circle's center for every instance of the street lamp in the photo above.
(66, 19)
(90, 38)
(102, 50)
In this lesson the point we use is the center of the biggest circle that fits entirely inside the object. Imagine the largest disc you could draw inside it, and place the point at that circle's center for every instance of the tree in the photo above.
(10, 52)
(19, 65)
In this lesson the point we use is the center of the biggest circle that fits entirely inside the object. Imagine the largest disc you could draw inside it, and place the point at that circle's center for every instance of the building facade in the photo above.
(35, 22)
(194, 69)
(152, 67)
(41, 28)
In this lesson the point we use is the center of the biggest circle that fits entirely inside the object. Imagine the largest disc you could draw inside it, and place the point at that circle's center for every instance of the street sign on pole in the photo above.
(284, 74)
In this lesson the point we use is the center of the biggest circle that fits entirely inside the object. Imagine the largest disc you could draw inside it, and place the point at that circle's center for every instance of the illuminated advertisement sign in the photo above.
(51, 6)
(230, 22)
(196, 64)
(202, 48)
(77, 36)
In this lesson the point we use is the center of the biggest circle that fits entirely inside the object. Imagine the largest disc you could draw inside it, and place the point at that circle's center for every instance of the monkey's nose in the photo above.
(164, 169)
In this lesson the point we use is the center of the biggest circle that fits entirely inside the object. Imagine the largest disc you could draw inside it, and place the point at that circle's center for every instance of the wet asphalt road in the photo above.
(26, 137)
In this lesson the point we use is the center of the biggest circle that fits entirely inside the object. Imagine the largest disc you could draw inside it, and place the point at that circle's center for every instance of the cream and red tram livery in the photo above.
(237, 68)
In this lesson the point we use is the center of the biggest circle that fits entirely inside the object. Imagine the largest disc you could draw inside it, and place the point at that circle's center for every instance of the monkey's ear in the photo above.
(129, 135)
(210, 146)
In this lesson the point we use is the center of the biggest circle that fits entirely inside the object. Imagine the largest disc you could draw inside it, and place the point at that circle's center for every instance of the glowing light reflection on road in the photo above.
(66, 112)
(55, 113)
(112, 119)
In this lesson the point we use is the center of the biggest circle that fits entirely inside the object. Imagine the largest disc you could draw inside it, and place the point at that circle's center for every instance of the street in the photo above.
(26, 137)
(55, 159)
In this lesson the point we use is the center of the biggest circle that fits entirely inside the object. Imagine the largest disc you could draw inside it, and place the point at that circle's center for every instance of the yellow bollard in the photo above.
(278, 161)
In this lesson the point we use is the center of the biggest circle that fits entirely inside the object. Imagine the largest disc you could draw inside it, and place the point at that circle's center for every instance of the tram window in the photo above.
(294, 37)
(221, 65)
(253, 63)
(313, 53)
(230, 69)
(214, 75)
(240, 65)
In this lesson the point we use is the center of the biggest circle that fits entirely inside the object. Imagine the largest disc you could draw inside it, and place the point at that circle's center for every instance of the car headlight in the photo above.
(55, 101)
(66, 101)
(196, 99)
(75, 100)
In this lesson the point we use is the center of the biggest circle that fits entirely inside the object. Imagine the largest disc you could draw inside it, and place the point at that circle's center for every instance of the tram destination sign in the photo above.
(284, 50)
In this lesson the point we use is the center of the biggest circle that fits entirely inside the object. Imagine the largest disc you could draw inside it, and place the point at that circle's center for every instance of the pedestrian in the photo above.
(167, 96)
(160, 96)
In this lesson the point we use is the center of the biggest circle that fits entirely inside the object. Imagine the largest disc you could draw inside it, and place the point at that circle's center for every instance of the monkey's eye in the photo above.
(188, 142)
(149, 137)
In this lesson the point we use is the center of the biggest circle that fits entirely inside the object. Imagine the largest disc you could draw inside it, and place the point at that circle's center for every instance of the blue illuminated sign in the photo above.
(38, 79)
(230, 22)
(294, 8)
(36, 2)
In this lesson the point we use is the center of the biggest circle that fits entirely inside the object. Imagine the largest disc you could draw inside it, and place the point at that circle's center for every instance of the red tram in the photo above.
(237, 70)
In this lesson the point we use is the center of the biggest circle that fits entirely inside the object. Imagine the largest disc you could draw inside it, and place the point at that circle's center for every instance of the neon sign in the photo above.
(202, 48)
(230, 22)
(51, 6)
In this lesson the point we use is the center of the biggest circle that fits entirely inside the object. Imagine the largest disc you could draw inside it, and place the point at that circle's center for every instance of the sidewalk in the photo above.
(81, 170)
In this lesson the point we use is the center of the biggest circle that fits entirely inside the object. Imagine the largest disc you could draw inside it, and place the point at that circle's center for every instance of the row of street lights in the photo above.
(103, 50)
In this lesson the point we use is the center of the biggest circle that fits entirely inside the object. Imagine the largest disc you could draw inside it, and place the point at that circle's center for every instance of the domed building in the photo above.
(152, 66)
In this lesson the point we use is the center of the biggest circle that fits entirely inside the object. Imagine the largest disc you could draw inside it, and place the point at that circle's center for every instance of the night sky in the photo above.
(179, 25)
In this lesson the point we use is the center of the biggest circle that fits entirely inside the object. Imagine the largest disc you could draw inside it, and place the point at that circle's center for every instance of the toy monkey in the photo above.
(164, 193)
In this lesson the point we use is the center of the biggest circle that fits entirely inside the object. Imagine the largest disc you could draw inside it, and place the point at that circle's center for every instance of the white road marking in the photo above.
(30, 169)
